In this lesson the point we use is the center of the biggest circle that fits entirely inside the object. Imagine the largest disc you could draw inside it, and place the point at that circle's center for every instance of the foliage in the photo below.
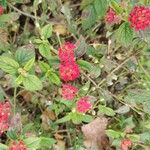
(100, 48)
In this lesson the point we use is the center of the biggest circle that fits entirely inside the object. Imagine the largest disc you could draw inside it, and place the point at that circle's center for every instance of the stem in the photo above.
(58, 37)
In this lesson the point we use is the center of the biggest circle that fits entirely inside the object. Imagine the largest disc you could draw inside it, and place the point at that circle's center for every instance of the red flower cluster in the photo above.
(5, 110)
(111, 17)
(69, 91)
(140, 18)
(83, 105)
(69, 72)
(18, 146)
(1, 10)
(66, 52)
(68, 68)
(125, 144)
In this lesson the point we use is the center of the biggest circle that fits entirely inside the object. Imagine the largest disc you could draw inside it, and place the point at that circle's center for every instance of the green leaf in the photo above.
(29, 64)
(44, 50)
(54, 78)
(85, 3)
(81, 47)
(95, 71)
(7, 18)
(8, 65)
(44, 66)
(46, 142)
(23, 55)
(66, 102)
(87, 118)
(4, 3)
(64, 119)
(139, 96)
(3, 147)
(106, 110)
(115, 5)
(146, 107)
(33, 143)
(76, 117)
(134, 137)
(114, 134)
(123, 109)
(124, 34)
(100, 7)
(145, 137)
(88, 17)
(84, 89)
(46, 31)
(32, 83)
(12, 134)
(85, 65)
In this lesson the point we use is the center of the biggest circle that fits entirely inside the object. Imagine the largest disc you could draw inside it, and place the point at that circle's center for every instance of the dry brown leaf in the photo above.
(94, 134)
(60, 145)
(27, 96)
(46, 116)
(61, 29)
(58, 136)
(3, 36)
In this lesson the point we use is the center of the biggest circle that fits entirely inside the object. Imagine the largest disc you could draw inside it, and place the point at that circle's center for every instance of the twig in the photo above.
(124, 62)
(29, 15)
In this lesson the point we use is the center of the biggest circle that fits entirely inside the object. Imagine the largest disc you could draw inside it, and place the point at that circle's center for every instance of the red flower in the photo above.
(5, 110)
(66, 52)
(111, 17)
(18, 146)
(125, 144)
(83, 105)
(69, 72)
(1, 10)
(69, 91)
(140, 18)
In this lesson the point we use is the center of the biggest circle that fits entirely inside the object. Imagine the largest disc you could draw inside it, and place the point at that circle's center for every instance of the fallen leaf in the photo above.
(94, 134)
(46, 116)
(61, 29)
(27, 96)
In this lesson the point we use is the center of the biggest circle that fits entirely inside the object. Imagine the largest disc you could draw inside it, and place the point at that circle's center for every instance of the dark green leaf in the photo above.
(64, 119)
(124, 34)
(23, 55)
(88, 17)
(100, 7)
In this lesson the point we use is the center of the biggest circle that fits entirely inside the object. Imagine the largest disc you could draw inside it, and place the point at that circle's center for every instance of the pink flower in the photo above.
(69, 72)
(69, 91)
(140, 18)
(66, 52)
(1, 10)
(5, 110)
(83, 105)
(111, 17)
(125, 144)
(18, 146)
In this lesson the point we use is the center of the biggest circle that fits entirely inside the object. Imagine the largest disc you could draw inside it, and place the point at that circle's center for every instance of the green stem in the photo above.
(58, 37)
